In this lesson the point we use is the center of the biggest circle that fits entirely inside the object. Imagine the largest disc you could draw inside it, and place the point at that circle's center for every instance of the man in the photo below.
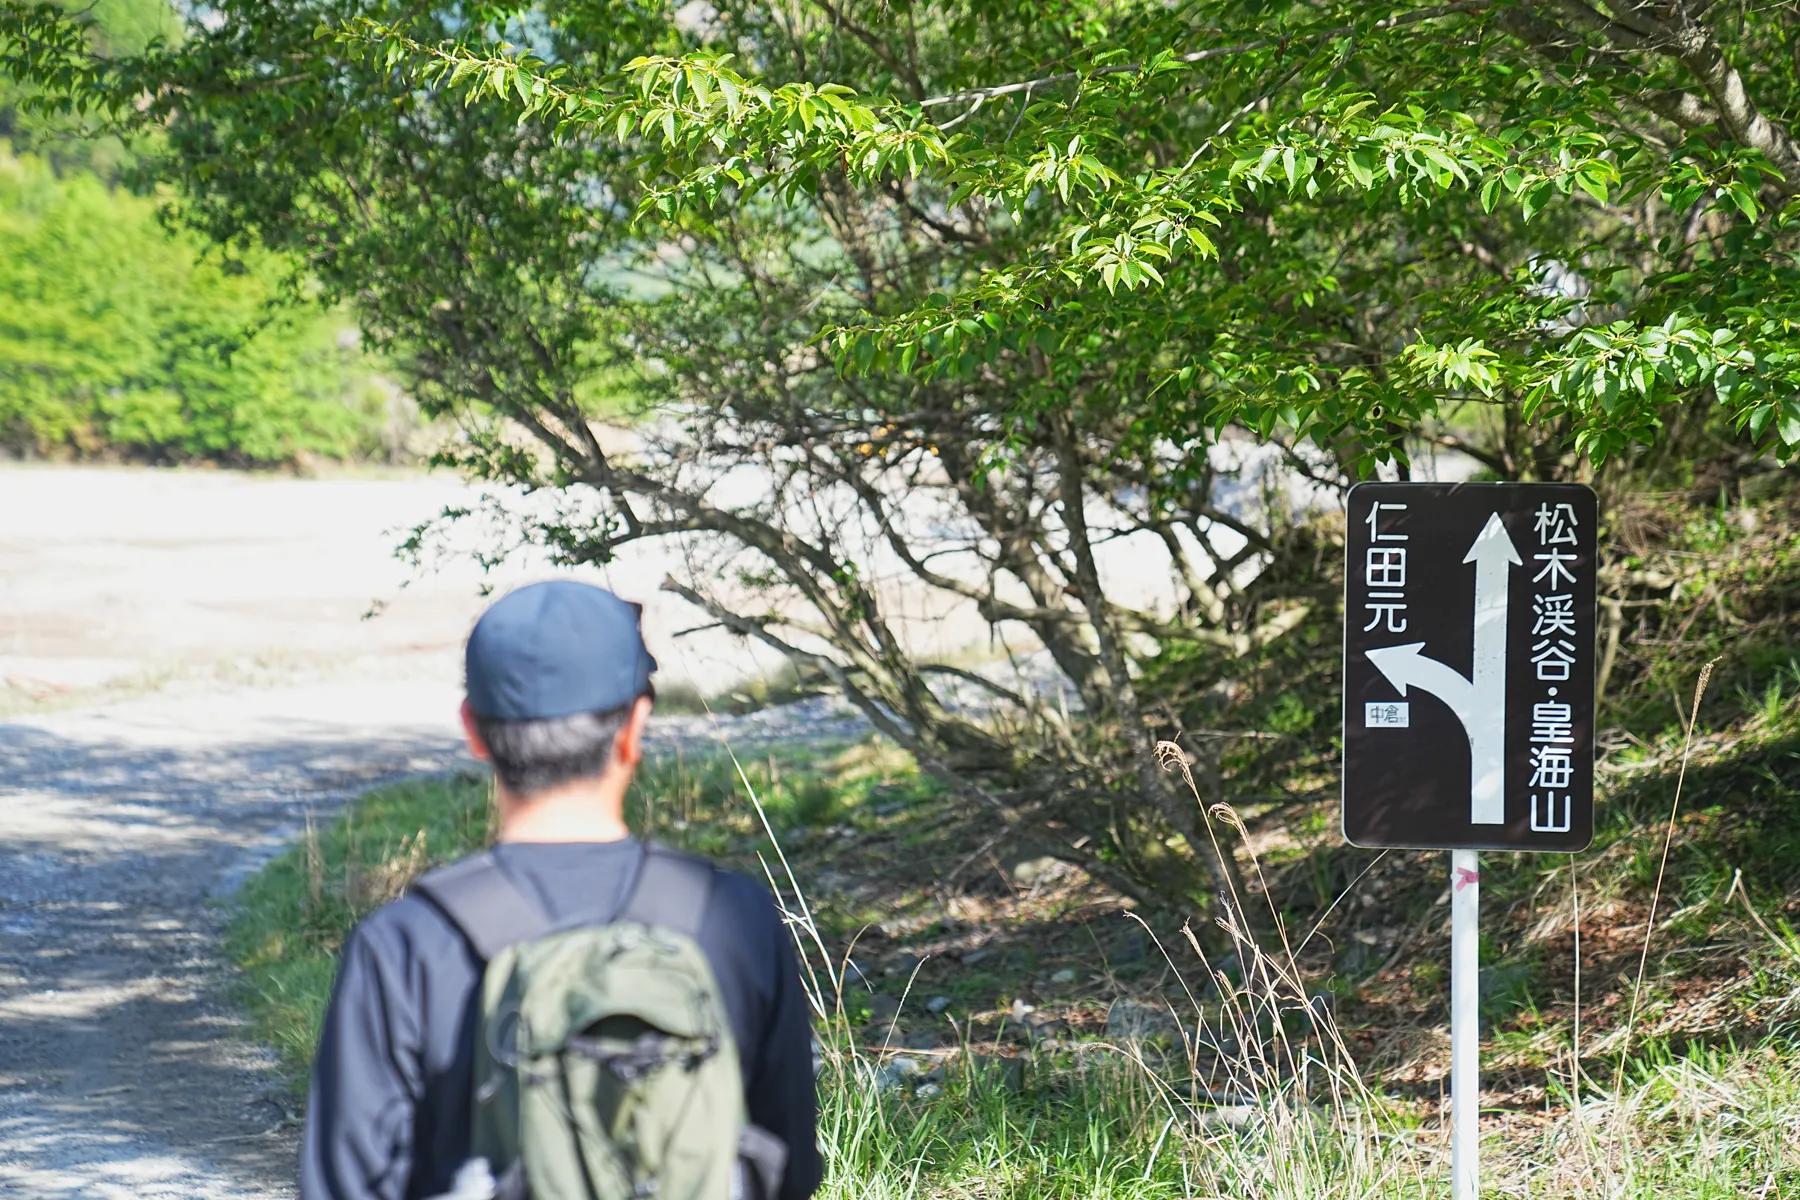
(559, 695)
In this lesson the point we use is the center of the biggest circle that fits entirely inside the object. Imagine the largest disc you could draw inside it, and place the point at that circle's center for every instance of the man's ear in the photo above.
(472, 732)
(628, 743)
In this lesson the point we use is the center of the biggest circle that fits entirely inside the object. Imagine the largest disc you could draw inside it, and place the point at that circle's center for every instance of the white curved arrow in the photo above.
(1479, 702)
(1407, 667)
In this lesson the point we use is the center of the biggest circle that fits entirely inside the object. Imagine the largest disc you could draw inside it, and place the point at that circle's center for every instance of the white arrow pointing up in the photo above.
(1479, 702)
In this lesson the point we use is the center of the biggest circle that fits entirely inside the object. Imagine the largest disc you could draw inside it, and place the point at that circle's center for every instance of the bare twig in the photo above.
(1348, 888)
(1737, 888)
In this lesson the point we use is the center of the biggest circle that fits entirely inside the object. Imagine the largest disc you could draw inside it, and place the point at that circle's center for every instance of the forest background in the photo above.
(121, 338)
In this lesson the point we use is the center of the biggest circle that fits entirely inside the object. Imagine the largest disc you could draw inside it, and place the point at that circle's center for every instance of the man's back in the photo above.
(393, 1084)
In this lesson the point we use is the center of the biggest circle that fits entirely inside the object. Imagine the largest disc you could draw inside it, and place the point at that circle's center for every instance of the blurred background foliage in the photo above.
(123, 338)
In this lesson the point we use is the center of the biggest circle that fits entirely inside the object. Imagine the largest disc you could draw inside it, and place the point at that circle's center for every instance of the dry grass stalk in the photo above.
(369, 887)
(315, 867)
(1637, 988)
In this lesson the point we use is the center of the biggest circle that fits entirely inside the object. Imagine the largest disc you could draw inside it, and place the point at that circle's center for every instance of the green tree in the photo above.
(959, 294)
(115, 27)
(118, 338)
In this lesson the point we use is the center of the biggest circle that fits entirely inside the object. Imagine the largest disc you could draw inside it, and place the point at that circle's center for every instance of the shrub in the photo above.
(118, 339)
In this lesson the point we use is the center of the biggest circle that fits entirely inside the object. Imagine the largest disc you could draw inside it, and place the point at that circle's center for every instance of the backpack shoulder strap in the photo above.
(672, 889)
(484, 904)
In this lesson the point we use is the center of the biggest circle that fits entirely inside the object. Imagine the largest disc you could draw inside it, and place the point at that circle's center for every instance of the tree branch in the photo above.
(1557, 45)
(1487, 458)
(1694, 45)
(1005, 693)
(902, 70)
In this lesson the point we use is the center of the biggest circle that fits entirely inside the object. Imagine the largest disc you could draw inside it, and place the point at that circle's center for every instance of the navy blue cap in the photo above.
(555, 649)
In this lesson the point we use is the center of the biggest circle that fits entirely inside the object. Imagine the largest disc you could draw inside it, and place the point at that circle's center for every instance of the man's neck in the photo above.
(579, 811)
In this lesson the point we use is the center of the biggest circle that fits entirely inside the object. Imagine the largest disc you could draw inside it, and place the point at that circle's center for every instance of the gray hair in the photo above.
(534, 756)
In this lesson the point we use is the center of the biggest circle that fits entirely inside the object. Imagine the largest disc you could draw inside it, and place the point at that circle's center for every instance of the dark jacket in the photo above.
(391, 1090)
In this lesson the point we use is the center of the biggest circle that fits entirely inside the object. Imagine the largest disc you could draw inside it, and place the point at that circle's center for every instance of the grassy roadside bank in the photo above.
(1006, 1029)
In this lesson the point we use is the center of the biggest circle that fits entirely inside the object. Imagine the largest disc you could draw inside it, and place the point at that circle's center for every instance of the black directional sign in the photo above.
(1469, 666)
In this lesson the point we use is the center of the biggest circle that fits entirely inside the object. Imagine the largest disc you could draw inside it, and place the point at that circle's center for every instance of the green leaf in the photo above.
(1490, 193)
(1760, 418)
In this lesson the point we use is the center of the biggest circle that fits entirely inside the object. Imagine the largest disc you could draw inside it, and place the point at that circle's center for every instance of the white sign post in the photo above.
(1465, 1024)
(1431, 587)
(1479, 703)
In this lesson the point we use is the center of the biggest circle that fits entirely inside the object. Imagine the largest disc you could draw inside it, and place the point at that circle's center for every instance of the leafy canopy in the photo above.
(1669, 184)
(1641, 147)
(944, 306)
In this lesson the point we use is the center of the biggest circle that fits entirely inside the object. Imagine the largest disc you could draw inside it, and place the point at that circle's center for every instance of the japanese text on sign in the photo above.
(1384, 574)
(1388, 714)
(1552, 658)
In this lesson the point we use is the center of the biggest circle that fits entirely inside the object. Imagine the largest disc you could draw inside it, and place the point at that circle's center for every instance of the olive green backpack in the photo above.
(605, 1067)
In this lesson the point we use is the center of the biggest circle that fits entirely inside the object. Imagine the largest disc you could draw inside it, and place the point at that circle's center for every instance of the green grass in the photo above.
(290, 920)
(1731, 889)
(1090, 1120)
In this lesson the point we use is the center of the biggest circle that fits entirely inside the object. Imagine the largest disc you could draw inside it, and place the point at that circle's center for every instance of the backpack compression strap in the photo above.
(487, 906)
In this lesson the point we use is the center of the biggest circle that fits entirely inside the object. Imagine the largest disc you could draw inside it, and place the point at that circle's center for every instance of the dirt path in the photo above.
(185, 671)
(121, 818)
(119, 1074)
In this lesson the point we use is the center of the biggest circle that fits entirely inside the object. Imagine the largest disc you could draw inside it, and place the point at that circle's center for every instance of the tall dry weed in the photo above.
(1259, 1097)
(315, 869)
(368, 886)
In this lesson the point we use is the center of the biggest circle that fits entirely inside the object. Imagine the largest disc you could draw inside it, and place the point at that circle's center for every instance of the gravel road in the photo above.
(120, 1075)
(121, 1072)
(142, 778)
